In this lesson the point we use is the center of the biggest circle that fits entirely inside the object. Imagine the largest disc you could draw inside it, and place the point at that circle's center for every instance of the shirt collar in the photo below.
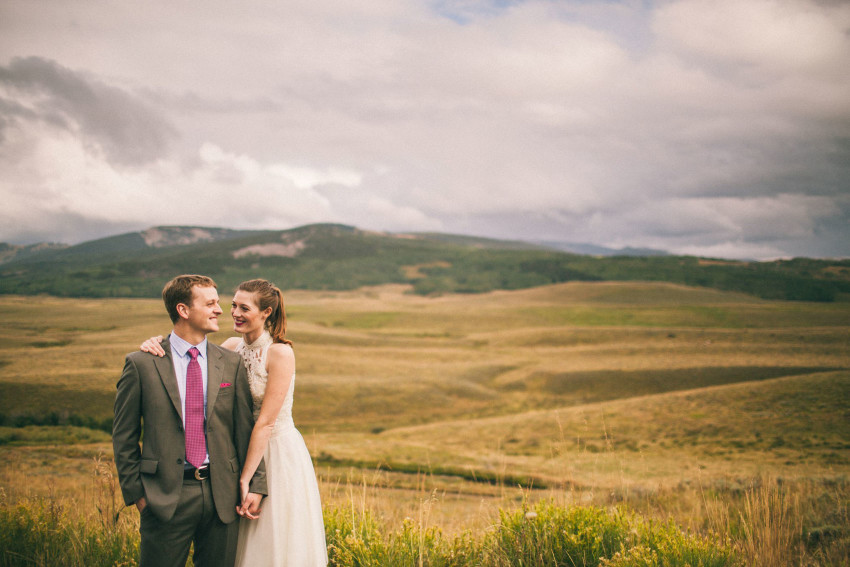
(181, 346)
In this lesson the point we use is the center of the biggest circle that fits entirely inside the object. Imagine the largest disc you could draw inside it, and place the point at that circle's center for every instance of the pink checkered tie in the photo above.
(196, 443)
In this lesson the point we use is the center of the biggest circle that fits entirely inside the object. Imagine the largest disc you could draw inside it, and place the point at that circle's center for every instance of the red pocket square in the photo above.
(225, 384)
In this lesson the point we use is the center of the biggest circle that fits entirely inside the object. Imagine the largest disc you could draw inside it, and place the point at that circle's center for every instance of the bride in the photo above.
(289, 531)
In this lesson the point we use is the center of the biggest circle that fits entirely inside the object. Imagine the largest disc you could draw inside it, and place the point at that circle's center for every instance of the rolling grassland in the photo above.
(719, 411)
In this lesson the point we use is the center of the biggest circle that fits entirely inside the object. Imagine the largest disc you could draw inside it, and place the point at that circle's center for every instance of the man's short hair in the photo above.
(179, 290)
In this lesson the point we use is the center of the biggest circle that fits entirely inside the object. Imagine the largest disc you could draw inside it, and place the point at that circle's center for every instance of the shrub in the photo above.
(554, 535)
(551, 535)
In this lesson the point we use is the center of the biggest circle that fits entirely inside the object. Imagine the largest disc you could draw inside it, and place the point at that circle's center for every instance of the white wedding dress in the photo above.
(290, 531)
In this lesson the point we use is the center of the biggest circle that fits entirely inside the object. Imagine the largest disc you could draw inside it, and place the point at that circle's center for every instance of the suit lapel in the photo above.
(215, 374)
(165, 367)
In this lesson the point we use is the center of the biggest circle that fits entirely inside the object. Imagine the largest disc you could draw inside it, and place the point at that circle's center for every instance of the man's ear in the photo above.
(183, 310)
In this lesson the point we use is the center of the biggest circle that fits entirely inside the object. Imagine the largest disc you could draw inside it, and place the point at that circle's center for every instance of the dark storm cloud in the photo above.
(121, 125)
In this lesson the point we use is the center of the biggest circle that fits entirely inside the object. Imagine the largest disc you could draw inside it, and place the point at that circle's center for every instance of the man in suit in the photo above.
(196, 409)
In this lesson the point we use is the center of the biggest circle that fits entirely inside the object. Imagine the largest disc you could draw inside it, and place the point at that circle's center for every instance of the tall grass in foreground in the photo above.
(45, 533)
(769, 527)
(49, 531)
(777, 526)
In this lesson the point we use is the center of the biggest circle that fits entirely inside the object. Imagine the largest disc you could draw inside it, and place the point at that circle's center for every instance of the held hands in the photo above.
(152, 346)
(250, 507)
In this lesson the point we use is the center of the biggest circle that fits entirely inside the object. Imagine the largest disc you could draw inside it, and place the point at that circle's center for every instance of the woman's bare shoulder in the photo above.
(231, 343)
(281, 352)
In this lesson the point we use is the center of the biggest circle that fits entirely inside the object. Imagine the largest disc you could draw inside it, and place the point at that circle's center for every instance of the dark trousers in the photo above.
(166, 544)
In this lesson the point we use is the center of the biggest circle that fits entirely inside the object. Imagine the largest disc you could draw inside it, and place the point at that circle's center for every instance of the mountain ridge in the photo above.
(165, 236)
(338, 257)
(9, 252)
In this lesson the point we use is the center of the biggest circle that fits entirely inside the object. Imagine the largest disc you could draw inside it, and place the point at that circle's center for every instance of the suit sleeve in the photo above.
(244, 425)
(127, 431)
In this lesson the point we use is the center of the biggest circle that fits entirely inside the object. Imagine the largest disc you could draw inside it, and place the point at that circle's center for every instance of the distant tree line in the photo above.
(343, 258)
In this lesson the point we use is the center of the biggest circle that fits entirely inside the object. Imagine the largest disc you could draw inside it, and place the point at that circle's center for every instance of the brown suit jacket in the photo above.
(148, 395)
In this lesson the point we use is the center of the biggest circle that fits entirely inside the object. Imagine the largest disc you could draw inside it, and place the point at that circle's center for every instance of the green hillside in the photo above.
(337, 257)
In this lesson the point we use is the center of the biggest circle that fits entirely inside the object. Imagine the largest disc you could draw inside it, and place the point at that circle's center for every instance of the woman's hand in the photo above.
(249, 506)
(152, 346)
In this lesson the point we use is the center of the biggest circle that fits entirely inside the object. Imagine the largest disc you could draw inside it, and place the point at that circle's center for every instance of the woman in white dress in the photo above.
(289, 530)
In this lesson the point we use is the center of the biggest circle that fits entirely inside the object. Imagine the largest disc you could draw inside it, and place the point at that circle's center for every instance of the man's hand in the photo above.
(250, 507)
(141, 504)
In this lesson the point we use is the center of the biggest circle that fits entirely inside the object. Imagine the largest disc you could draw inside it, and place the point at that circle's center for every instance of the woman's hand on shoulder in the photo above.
(153, 346)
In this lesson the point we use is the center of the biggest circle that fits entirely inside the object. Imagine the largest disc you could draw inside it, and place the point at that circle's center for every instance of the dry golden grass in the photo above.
(600, 392)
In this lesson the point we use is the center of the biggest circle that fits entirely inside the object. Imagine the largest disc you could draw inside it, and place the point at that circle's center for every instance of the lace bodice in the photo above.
(254, 355)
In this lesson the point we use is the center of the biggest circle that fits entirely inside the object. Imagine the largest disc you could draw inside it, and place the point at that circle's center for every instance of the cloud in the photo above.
(110, 120)
(680, 125)
(77, 196)
(763, 37)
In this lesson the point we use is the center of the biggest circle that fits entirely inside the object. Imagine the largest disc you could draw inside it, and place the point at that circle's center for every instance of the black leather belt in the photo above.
(202, 473)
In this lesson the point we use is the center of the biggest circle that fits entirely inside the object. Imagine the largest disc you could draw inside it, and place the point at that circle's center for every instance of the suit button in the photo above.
(179, 461)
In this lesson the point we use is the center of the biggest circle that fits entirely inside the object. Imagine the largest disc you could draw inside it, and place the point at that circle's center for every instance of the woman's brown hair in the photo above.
(268, 295)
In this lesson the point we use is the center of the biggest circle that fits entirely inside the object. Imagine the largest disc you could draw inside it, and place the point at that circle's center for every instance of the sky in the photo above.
(716, 128)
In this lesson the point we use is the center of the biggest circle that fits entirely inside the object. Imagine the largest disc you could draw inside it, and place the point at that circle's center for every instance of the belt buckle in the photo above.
(198, 473)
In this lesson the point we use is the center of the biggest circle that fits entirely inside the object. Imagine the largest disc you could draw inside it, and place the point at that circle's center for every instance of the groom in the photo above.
(195, 410)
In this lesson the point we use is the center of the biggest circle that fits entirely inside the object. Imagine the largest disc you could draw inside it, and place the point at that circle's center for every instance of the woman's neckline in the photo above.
(260, 342)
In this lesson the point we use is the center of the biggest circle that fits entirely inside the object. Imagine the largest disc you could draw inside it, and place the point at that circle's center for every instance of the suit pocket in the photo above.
(148, 466)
